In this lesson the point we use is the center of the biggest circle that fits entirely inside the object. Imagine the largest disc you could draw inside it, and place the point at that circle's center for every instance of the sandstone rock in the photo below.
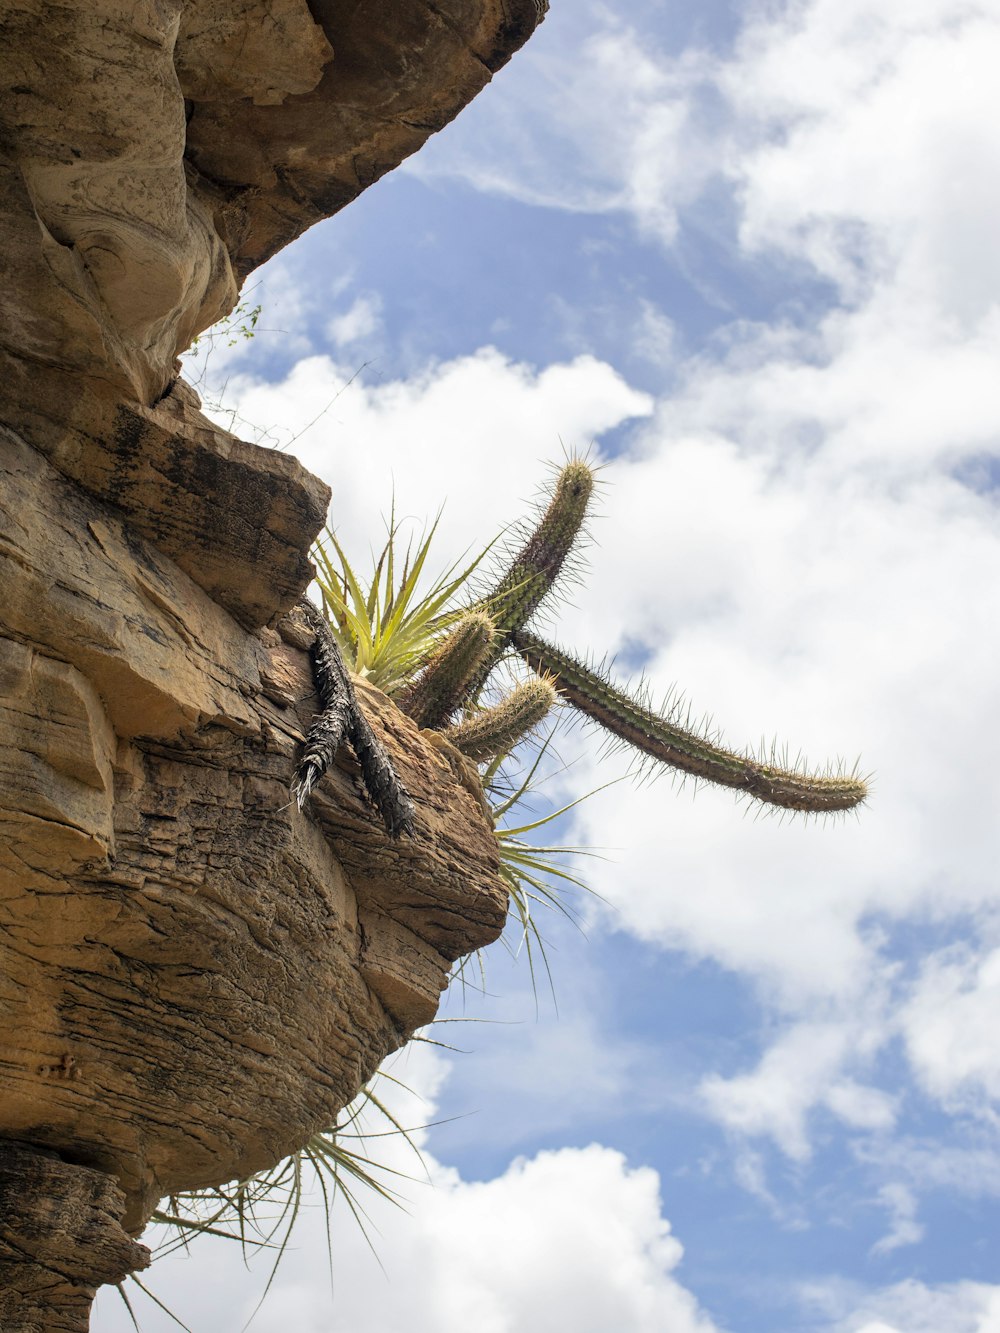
(152, 153)
(60, 1239)
(194, 976)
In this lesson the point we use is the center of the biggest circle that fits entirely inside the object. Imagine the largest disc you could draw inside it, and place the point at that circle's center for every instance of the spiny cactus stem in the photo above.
(533, 572)
(496, 730)
(535, 569)
(340, 717)
(663, 740)
(443, 684)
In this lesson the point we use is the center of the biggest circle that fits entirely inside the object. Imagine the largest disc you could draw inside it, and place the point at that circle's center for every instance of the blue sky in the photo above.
(749, 258)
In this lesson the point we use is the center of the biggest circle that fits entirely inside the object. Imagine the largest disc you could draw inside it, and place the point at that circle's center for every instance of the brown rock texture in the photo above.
(154, 152)
(60, 1239)
(194, 975)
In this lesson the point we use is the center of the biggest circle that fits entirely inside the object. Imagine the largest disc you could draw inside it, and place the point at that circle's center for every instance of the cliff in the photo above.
(194, 976)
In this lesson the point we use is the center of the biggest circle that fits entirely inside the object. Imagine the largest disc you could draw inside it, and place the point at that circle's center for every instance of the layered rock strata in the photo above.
(194, 976)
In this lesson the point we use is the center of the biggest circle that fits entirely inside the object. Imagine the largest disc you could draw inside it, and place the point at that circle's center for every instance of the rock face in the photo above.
(154, 152)
(184, 951)
(194, 976)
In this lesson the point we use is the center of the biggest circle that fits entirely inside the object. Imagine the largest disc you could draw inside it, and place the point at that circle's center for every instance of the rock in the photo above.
(195, 976)
(60, 1239)
(152, 154)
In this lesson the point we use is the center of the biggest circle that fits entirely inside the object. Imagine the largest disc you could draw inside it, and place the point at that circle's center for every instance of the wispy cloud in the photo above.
(901, 1204)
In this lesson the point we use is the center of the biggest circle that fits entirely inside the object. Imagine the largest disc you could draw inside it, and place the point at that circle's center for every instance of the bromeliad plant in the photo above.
(439, 669)
(261, 1212)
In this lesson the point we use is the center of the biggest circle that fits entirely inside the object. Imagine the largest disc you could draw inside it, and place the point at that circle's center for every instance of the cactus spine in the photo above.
(497, 730)
(662, 739)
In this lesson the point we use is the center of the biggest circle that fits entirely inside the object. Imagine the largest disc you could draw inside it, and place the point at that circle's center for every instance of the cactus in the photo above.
(663, 739)
(496, 730)
(439, 691)
(454, 671)
(533, 572)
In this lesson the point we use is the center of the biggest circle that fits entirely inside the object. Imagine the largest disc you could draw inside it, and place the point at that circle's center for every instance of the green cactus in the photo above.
(532, 574)
(454, 669)
(491, 731)
(529, 579)
(438, 692)
(663, 739)
(459, 669)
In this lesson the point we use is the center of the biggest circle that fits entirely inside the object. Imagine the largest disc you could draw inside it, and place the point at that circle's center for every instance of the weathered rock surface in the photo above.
(152, 153)
(60, 1239)
(194, 976)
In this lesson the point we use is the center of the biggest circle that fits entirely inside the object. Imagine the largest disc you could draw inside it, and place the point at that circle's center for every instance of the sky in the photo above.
(745, 254)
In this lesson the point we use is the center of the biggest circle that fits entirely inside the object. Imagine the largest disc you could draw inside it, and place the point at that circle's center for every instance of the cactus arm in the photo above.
(495, 731)
(662, 739)
(439, 690)
(533, 572)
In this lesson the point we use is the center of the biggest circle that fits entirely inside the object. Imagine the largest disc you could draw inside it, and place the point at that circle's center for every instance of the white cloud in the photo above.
(797, 1072)
(473, 433)
(360, 323)
(969, 1169)
(574, 1231)
(904, 1229)
(655, 338)
(858, 167)
(905, 1307)
(861, 1107)
(844, 594)
(949, 1025)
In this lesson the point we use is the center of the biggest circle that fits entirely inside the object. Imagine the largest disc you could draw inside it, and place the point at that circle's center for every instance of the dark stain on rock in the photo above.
(126, 449)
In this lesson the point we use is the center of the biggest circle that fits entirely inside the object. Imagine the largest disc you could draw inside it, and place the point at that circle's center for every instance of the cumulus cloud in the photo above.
(572, 1238)
(473, 434)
